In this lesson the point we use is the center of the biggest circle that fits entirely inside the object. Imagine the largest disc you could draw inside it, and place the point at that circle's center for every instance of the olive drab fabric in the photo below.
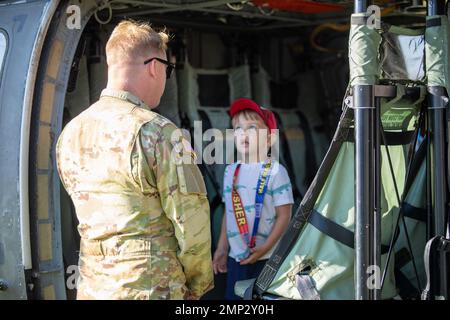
(143, 214)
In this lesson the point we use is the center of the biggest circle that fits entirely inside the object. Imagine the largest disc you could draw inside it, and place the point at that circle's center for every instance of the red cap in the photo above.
(245, 103)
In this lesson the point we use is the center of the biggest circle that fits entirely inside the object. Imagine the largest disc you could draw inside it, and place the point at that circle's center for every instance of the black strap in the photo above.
(407, 290)
(418, 159)
(332, 229)
(415, 213)
(392, 138)
(435, 22)
(385, 91)
(336, 231)
(402, 258)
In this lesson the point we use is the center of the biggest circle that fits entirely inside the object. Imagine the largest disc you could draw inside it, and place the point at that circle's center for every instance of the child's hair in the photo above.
(247, 114)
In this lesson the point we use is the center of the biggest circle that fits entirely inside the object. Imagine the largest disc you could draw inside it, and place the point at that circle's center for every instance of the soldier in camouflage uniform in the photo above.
(143, 214)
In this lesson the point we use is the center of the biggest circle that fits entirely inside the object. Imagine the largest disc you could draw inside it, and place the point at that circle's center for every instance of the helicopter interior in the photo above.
(294, 63)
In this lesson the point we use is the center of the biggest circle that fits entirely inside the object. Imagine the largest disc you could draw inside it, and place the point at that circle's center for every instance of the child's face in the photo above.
(252, 136)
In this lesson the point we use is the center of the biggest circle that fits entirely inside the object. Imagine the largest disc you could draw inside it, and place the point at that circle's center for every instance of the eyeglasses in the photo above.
(252, 129)
(170, 66)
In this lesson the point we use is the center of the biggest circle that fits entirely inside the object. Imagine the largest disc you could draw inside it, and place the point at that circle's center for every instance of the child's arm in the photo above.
(221, 253)
(283, 215)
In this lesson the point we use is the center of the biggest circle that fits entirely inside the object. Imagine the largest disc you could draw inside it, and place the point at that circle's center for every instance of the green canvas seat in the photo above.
(319, 244)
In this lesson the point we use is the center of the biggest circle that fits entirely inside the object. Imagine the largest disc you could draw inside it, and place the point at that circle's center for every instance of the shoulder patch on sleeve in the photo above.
(161, 121)
(158, 128)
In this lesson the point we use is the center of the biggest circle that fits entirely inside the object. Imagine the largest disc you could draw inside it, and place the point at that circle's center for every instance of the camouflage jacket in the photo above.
(143, 214)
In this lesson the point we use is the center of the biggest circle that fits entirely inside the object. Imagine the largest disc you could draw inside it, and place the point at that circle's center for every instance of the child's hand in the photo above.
(257, 252)
(220, 261)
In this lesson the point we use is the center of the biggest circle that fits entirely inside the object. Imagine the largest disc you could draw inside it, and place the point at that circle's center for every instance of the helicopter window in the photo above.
(2, 50)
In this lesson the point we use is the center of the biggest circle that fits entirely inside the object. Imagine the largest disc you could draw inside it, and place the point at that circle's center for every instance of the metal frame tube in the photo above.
(361, 5)
(436, 7)
(364, 188)
(437, 169)
(365, 184)
(376, 244)
(437, 153)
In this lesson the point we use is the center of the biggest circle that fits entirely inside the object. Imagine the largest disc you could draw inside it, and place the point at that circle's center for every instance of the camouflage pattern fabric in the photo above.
(143, 214)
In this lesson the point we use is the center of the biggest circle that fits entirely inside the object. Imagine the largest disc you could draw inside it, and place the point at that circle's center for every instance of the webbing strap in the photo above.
(435, 22)
(392, 138)
(385, 91)
(336, 231)
(415, 213)
(332, 229)
(406, 289)
(418, 159)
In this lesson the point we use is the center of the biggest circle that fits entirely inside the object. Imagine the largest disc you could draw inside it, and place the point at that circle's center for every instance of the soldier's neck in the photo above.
(122, 86)
(127, 79)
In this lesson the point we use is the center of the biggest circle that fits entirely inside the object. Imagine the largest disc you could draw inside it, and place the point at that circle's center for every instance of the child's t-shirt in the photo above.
(279, 192)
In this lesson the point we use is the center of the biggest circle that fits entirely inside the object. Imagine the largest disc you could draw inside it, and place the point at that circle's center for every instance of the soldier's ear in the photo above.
(151, 69)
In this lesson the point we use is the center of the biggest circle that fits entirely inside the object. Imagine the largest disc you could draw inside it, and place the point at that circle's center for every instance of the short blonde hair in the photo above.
(131, 40)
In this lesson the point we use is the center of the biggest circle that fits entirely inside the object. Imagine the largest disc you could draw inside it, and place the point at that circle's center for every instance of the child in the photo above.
(258, 185)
